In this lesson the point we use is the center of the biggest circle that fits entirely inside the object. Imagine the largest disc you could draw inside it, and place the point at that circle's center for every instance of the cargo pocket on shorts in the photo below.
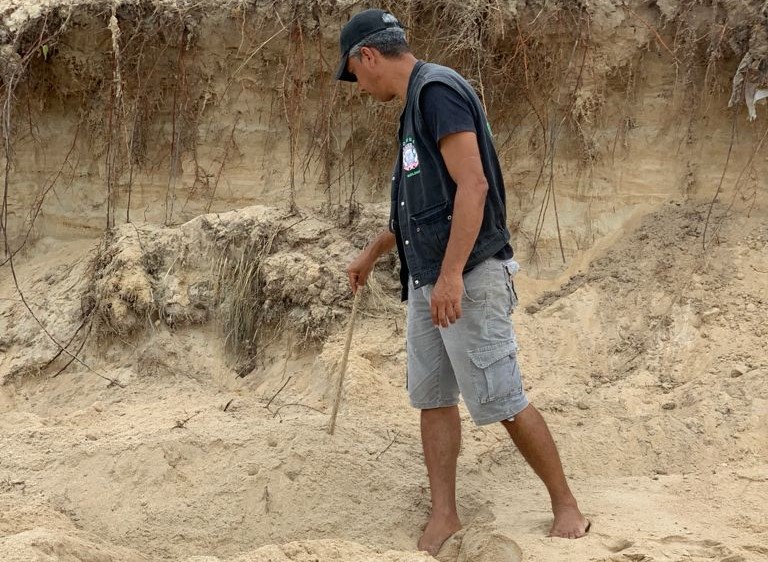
(494, 372)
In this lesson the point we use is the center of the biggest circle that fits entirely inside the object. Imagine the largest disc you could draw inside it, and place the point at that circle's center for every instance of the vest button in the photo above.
(418, 229)
(402, 203)
(416, 282)
(407, 242)
(449, 217)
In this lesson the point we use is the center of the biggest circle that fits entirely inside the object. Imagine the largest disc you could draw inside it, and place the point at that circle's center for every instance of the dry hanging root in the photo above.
(340, 384)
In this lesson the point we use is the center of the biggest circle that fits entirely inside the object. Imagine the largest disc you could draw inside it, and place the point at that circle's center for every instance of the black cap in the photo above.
(363, 24)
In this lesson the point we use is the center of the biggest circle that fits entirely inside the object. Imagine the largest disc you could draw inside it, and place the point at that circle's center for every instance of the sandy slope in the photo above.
(648, 363)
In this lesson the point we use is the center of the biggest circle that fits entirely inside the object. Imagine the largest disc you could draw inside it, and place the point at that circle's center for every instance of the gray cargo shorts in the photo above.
(476, 357)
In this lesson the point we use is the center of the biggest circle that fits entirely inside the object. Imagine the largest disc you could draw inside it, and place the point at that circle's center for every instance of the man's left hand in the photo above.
(445, 304)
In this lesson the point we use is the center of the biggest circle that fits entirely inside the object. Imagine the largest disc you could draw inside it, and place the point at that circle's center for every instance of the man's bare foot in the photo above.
(437, 531)
(569, 523)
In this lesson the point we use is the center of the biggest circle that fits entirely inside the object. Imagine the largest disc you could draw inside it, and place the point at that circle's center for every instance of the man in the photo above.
(448, 221)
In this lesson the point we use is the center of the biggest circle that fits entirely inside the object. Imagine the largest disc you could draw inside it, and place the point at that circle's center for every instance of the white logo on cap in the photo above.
(388, 18)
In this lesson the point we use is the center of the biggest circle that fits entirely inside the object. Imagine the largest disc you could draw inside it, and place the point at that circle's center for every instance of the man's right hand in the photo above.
(359, 269)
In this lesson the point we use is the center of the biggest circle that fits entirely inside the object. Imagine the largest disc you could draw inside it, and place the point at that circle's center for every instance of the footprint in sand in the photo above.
(618, 545)
(709, 549)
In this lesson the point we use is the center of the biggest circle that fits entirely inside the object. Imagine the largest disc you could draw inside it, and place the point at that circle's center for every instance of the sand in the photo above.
(660, 417)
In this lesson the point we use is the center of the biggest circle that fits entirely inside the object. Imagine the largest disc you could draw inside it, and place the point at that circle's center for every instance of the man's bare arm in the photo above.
(462, 158)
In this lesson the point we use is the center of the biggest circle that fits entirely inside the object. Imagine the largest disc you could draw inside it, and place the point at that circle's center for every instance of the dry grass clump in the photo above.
(240, 296)
(287, 274)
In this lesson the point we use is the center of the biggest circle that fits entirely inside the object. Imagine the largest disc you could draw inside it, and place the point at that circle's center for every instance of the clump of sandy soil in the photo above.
(285, 265)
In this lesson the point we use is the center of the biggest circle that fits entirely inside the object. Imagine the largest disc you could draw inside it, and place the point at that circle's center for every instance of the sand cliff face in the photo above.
(160, 111)
(184, 187)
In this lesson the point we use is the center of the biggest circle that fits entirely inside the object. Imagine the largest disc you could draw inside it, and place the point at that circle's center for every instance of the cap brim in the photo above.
(342, 73)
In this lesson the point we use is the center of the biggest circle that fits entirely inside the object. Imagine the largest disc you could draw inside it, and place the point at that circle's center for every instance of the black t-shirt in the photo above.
(445, 112)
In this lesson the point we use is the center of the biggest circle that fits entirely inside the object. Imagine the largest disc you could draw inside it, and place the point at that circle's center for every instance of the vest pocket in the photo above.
(432, 227)
(430, 214)
(494, 372)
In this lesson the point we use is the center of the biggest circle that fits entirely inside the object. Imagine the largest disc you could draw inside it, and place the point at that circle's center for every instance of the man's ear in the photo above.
(367, 54)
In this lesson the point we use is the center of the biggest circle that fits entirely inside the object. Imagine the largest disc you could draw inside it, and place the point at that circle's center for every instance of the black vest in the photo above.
(423, 191)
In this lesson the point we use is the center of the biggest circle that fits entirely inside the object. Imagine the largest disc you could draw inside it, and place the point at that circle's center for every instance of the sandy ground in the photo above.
(647, 358)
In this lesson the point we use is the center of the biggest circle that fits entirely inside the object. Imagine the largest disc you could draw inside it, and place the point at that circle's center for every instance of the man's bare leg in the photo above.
(441, 439)
(531, 435)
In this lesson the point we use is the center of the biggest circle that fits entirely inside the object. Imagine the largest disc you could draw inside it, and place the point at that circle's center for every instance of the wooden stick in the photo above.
(340, 384)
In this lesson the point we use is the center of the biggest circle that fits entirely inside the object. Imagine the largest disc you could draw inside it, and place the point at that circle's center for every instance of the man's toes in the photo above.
(431, 549)
(422, 545)
(566, 534)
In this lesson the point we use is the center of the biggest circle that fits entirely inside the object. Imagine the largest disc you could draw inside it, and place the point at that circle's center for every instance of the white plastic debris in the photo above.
(748, 79)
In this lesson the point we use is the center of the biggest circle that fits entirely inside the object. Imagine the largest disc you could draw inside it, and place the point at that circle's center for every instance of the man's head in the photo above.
(367, 42)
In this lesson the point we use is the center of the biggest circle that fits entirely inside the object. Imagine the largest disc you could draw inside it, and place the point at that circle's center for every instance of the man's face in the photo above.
(368, 69)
